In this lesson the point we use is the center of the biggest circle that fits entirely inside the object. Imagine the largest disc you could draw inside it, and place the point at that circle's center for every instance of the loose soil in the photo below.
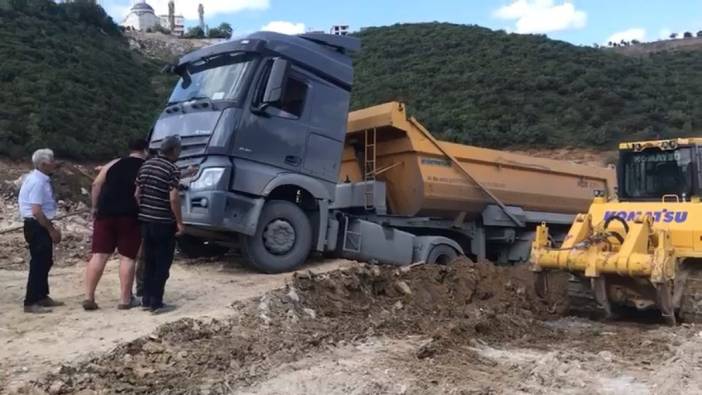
(464, 328)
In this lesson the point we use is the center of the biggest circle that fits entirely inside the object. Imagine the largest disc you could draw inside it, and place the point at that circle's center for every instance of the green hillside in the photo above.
(69, 81)
(479, 86)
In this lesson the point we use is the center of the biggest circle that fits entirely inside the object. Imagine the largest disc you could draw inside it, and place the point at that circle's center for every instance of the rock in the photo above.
(152, 348)
(426, 350)
(17, 260)
(142, 372)
(234, 364)
(293, 296)
(375, 271)
(291, 316)
(127, 359)
(56, 387)
(398, 305)
(182, 355)
(403, 287)
(606, 355)
(310, 312)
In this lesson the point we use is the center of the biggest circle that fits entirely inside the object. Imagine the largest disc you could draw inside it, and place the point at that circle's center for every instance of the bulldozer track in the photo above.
(581, 300)
(691, 302)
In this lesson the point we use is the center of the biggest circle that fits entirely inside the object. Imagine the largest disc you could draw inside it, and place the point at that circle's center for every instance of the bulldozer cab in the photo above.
(658, 171)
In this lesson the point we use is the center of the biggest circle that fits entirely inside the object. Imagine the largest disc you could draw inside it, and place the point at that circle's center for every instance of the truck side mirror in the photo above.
(276, 81)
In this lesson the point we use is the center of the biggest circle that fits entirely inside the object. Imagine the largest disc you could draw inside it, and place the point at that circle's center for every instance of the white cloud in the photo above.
(542, 16)
(635, 33)
(118, 9)
(284, 27)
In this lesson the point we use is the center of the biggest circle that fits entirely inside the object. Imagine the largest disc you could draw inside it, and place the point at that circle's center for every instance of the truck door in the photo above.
(278, 136)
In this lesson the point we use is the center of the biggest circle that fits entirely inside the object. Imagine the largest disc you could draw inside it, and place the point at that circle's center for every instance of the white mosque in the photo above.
(142, 17)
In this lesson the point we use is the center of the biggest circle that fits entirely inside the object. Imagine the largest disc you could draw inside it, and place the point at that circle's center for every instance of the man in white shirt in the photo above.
(38, 207)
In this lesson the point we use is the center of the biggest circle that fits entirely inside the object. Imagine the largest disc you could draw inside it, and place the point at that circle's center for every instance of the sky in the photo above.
(582, 22)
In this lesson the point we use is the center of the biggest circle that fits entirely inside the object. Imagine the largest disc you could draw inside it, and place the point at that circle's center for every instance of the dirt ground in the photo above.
(33, 345)
(461, 329)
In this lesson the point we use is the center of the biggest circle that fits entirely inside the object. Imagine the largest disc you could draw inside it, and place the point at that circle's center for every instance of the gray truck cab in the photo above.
(264, 118)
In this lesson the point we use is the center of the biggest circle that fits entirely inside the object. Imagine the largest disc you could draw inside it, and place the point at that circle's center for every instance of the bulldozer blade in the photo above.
(664, 294)
(599, 289)
(541, 284)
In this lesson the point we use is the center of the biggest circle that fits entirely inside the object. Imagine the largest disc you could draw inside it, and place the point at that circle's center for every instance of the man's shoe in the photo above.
(48, 302)
(162, 309)
(133, 302)
(89, 305)
(37, 309)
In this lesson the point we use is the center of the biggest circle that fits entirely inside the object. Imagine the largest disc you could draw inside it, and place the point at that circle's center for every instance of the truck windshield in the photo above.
(217, 78)
(652, 173)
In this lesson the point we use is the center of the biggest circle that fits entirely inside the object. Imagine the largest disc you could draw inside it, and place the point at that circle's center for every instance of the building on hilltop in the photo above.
(141, 17)
(174, 23)
(340, 30)
(178, 28)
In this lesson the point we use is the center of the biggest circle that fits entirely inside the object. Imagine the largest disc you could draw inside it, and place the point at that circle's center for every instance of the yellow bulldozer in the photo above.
(642, 248)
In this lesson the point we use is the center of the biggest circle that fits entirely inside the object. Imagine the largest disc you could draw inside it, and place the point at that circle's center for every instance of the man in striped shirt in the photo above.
(159, 213)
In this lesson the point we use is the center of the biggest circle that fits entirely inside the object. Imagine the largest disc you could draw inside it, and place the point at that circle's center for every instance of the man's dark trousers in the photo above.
(41, 250)
(159, 246)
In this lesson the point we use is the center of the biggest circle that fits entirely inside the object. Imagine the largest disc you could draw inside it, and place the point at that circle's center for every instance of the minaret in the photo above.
(201, 12)
(171, 15)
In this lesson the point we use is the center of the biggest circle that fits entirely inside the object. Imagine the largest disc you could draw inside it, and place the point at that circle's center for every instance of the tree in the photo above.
(635, 42)
(673, 36)
(195, 32)
(699, 33)
(687, 35)
(224, 30)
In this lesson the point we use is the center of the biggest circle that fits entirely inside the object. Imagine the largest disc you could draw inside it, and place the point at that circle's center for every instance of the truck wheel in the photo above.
(282, 241)
(193, 247)
(441, 255)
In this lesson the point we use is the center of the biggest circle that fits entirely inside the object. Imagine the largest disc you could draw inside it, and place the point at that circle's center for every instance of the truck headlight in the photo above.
(208, 179)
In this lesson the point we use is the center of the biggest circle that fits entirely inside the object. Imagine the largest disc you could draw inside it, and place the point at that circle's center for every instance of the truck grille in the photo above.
(194, 146)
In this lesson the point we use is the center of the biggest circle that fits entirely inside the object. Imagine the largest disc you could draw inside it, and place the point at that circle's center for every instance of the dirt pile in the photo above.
(71, 188)
(448, 306)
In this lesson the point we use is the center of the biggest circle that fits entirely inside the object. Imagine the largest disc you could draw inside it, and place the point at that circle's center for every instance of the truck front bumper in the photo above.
(221, 211)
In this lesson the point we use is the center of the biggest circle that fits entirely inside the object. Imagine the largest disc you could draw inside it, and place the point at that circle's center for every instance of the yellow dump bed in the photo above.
(421, 180)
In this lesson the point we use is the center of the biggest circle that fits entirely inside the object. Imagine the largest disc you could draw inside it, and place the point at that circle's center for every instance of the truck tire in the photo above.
(282, 241)
(193, 247)
(441, 254)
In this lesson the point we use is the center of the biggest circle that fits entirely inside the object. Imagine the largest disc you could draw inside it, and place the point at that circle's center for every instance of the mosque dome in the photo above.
(141, 17)
(142, 7)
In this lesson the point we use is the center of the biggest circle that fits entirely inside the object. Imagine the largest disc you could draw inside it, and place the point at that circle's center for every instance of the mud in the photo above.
(447, 307)
(460, 329)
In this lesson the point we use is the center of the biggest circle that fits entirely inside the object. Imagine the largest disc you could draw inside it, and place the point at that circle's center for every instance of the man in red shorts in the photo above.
(116, 224)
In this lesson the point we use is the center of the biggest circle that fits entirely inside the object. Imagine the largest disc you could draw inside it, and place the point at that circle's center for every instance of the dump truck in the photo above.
(285, 170)
(643, 249)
